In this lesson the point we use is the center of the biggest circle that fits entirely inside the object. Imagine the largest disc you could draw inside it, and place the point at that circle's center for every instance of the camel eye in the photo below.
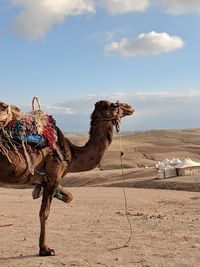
(104, 106)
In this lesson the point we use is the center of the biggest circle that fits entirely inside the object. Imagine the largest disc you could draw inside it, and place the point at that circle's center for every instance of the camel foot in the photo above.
(37, 191)
(63, 195)
(49, 252)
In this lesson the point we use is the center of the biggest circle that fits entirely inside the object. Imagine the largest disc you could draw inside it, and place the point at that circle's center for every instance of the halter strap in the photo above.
(115, 119)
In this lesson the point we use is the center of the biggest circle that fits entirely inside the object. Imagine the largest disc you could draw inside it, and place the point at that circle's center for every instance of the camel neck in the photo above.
(89, 156)
(101, 133)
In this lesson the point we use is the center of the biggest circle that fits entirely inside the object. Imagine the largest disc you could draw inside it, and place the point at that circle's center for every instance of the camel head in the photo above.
(108, 111)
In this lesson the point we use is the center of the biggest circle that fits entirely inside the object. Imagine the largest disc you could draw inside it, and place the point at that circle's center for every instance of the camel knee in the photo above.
(44, 215)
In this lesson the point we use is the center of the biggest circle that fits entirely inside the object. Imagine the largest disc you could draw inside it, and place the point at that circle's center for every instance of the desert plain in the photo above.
(93, 229)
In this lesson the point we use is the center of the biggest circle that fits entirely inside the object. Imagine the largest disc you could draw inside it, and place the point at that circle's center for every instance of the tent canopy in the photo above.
(186, 163)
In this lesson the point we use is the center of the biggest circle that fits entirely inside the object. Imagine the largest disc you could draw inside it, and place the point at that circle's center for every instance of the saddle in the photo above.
(34, 129)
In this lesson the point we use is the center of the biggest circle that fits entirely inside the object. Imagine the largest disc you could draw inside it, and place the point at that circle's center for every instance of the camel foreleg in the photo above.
(48, 193)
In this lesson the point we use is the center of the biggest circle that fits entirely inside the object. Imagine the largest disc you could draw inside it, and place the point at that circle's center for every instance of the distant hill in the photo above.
(145, 148)
(142, 149)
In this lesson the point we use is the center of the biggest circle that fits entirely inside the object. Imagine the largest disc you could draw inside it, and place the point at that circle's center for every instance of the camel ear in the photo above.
(102, 105)
(97, 104)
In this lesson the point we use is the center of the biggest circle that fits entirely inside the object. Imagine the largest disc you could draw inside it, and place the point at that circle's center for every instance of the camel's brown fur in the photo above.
(50, 168)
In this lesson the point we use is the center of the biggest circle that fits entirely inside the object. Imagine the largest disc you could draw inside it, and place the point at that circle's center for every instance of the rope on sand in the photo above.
(125, 202)
(6, 225)
(124, 194)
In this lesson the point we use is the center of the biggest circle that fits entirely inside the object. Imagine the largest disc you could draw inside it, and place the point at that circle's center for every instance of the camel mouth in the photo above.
(127, 109)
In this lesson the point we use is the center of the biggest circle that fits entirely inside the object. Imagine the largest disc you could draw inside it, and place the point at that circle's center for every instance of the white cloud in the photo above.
(177, 7)
(115, 7)
(38, 16)
(120, 94)
(153, 110)
(151, 43)
(58, 109)
(166, 109)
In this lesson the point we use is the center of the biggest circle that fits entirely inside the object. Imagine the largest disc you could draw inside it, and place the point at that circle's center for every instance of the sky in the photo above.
(72, 53)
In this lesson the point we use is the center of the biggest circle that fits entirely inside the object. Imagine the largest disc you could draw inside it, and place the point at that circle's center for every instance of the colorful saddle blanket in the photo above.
(35, 128)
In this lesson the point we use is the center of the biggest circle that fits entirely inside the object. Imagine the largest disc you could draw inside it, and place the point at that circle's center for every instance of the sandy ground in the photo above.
(88, 231)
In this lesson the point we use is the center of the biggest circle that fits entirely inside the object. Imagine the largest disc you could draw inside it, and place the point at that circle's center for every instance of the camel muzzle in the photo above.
(126, 109)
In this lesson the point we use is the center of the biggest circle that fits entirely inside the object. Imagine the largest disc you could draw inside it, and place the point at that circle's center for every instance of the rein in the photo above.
(116, 120)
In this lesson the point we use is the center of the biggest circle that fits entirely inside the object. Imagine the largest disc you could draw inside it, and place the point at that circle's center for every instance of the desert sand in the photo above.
(93, 228)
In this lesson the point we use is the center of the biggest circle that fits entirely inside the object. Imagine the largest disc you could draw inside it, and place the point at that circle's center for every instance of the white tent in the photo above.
(188, 167)
(169, 171)
(175, 161)
(160, 174)
(174, 167)
(165, 170)
(187, 163)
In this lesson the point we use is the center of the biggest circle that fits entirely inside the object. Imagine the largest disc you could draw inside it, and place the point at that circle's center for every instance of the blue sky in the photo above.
(71, 53)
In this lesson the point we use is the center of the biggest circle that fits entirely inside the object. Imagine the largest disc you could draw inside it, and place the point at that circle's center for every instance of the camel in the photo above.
(50, 169)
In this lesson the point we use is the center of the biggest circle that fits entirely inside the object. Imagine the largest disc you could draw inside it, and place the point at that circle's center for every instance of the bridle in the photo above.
(116, 120)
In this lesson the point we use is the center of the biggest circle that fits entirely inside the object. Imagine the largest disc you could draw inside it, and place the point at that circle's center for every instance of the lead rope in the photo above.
(124, 191)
